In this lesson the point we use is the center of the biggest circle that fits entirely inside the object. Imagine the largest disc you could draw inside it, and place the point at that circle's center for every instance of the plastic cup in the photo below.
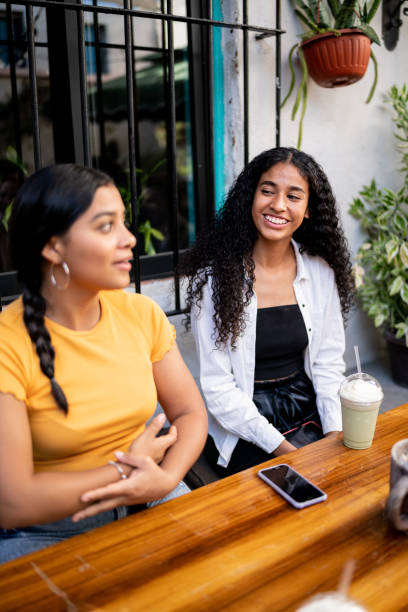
(361, 396)
(327, 602)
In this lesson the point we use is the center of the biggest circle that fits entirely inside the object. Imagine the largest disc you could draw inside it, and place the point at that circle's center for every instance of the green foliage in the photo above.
(307, 11)
(332, 15)
(320, 16)
(381, 268)
(346, 16)
(7, 214)
(149, 232)
(145, 228)
(398, 98)
(12, 159)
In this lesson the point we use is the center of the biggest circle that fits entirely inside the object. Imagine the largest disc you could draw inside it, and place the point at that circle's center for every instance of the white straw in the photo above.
(357, 360)
(346, 576)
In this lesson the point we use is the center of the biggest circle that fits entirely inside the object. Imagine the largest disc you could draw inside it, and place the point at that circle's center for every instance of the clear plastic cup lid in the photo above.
(327, 602)
(362, 388)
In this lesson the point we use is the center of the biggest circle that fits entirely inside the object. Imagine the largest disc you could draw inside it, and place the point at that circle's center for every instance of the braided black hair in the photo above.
(34, 310)
(47, 204)
(224, 251)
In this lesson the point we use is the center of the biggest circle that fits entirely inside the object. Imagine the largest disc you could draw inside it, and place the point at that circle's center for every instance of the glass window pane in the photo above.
(16, 129)
(40, 25)
(109, 137)
(108, 110)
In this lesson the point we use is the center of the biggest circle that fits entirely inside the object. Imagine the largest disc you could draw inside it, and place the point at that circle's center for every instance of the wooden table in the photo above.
(235, 544)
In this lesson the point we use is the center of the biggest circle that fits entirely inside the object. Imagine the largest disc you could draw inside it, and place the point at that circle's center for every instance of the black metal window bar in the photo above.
(198, 23)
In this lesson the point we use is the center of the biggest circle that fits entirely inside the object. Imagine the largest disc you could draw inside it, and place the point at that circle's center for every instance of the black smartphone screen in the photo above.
(292, 483)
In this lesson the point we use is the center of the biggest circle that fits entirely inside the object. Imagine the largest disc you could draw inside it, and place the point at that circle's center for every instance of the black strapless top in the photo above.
(281, 339)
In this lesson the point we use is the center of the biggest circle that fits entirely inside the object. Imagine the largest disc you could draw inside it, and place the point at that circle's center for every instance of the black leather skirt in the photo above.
(290, 405)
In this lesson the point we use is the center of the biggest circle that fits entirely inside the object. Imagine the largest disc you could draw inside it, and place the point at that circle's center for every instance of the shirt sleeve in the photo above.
(163, 333)
(328, 363)
(227, 403)
(13, 365)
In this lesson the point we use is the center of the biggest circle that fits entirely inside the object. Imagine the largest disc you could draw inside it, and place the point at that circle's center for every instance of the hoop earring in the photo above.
(67, 274)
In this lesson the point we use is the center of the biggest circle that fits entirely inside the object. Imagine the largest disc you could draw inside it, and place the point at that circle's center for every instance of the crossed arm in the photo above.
(30, 498)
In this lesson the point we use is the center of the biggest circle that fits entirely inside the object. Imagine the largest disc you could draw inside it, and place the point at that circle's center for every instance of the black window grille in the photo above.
(74, 72)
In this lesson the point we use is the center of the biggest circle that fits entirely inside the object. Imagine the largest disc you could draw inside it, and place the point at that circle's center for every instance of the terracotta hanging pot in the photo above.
(335, 61)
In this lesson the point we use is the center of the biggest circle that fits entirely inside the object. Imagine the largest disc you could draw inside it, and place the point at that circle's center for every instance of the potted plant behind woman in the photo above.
(381, 270)
(335, 49)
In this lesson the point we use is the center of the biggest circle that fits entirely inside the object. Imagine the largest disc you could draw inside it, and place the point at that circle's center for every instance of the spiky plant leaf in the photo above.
(309, 9)
(372, 10)
(310, 24)
(347, 15)
(370, 32)
(335, 6)
(306, 9)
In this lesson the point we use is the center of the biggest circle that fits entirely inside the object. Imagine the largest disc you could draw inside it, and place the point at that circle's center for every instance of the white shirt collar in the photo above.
(301, 273)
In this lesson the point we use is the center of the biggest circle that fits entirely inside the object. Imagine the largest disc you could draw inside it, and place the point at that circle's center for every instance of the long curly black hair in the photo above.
(224, 251)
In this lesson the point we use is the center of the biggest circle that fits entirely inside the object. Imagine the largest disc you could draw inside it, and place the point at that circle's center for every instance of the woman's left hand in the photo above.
(146, 482)
(149, 443)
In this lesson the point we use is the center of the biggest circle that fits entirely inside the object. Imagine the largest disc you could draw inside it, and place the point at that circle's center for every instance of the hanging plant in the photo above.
(335, 49)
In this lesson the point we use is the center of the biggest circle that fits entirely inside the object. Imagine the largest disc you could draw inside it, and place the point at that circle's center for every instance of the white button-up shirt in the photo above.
(227, 376)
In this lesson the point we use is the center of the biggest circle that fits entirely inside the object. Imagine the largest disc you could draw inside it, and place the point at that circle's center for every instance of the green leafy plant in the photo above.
(321, 16)
(7, 214)
(11, 160)
(335, 15)
(145, 227)
(381, 268)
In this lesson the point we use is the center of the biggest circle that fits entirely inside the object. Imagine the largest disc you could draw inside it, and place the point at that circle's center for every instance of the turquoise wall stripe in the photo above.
(218, 107)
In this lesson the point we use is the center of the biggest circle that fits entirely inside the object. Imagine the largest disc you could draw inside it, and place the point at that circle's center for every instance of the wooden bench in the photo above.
(200, 474)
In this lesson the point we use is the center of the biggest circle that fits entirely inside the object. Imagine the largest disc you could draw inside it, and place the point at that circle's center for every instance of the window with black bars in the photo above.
(126, 87)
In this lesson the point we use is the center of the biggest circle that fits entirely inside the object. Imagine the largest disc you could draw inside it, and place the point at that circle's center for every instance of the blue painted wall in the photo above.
(218, 107)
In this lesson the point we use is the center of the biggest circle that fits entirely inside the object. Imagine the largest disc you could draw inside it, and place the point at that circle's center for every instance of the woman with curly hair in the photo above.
(268, 285)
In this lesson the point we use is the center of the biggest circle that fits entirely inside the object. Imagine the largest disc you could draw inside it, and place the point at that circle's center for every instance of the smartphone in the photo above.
(293, 487)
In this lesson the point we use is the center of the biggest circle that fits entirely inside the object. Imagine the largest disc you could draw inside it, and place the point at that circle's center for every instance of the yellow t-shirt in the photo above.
(105, 373)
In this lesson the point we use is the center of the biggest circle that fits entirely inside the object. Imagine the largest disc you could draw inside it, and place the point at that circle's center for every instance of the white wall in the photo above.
(352, 140)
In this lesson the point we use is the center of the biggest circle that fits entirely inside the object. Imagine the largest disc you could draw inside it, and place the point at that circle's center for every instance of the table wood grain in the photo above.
(235, 544)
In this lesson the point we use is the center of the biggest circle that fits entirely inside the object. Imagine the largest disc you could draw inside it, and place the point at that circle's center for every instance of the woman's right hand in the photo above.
(146, 482)
(150, 444)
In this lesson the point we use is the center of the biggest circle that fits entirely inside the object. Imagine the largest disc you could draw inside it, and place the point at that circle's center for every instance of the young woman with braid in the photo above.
(268, 284)
(82, 364)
